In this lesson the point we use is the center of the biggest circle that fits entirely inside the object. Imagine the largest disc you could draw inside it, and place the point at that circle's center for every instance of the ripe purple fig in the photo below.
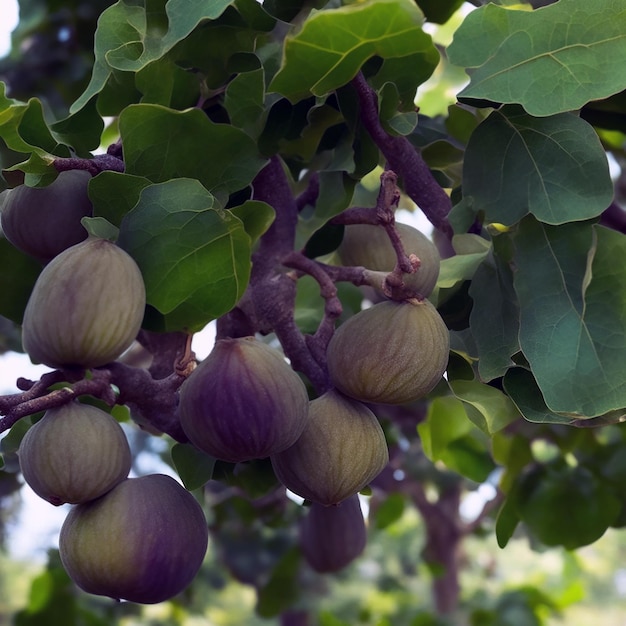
(391, 353)
(369, 246)
(144, 541)
(86, 307)
(331, 537)
(74, 453)
(341, 450)
(243, 402)
(44, 221)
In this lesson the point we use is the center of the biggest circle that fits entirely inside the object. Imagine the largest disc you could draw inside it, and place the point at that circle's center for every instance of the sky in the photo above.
(8, 21)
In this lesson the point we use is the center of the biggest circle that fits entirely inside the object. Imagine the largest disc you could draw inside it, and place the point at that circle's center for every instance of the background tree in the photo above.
(273, 127)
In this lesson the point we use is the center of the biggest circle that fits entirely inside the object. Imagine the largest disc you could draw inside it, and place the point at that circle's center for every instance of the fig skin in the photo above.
(341, 450)
(391, 353)
(144, 541)
(44, 221)
(243, 402)
(74, 453)
(369, 246)
(331, 537)
(86, 307)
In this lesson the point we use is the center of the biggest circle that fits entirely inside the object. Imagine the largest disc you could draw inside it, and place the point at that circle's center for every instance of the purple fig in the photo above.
(144, 541)
(243, 402)
(44, 221)
(369, 246)
(341, 450)
(86, 307)
(74, 453)
(331, 537)
(391, 353)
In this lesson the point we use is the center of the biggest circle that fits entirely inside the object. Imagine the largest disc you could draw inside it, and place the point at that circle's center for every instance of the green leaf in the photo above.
(194, 467)
(572, 298)
(114, 194)
(100, 227)
(256, 216)
(439, 11)
(162, 144)
(82, 130)
(243, 100)
(17, 284)
(446, 422)
(333, 44)
(470, 251)
(194, 257)
(283, 587)
(553, 167)
(390, 510)
(551, 60)
(129, 37)
(486, 406)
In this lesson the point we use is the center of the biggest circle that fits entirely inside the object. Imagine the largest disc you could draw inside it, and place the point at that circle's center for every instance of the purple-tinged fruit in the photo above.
(369, 246)
(74, 453)
(391, 353)
(331, 537)
(341, 450)
(243, 402)
(44, 221)
(144, 541)
(86, 307)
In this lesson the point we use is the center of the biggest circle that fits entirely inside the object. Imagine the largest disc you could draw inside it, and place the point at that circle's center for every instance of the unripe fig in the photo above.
(243, 402)
(369, 246)
(44, 221)
(86, 307)
(391, 353)
(144, 541)
(74, 453)
(331, 537)
(341, 450)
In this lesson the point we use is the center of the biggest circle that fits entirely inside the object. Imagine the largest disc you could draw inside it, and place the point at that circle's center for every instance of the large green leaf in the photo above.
(553, 167)
(194, 257)
(333, 44)
(129, 37)
(572, 296)
(160, 144)
(551, 60)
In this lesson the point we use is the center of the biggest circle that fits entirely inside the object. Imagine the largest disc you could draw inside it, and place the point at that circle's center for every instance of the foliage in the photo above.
(229, 142)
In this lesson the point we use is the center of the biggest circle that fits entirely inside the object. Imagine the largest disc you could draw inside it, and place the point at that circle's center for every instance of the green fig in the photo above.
(44, 221)
(143, 541)
(391, 353)
(74, 453)
(369, 246)
(341, 450)
(86, 307)
(243, 402)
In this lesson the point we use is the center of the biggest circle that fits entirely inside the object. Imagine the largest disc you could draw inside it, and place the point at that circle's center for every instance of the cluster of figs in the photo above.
(144, 539)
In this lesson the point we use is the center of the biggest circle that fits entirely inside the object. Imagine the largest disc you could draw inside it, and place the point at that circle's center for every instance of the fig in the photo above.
(144, 541)
(391, 353)
(74, 453)
(44, 221)
(331, 537)
(243, 402)
(86, 307)
(341, 450)
(369, 246)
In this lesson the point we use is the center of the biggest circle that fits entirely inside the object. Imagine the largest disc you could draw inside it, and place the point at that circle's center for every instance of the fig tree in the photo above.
(369, 246)
(391, 353)
(86, 307)
(243, 402)
(331, 537)
(74, 453)
(341, 450)
(144, 541)
(44, 221)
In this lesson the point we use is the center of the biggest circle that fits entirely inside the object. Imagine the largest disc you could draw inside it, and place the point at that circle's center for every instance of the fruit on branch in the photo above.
(341, 450)
(369, 246)
(144, 541)
(331, 537)
(44, 221)
(86, 307)
(74, 453)
(391, 353)
(243, 402)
